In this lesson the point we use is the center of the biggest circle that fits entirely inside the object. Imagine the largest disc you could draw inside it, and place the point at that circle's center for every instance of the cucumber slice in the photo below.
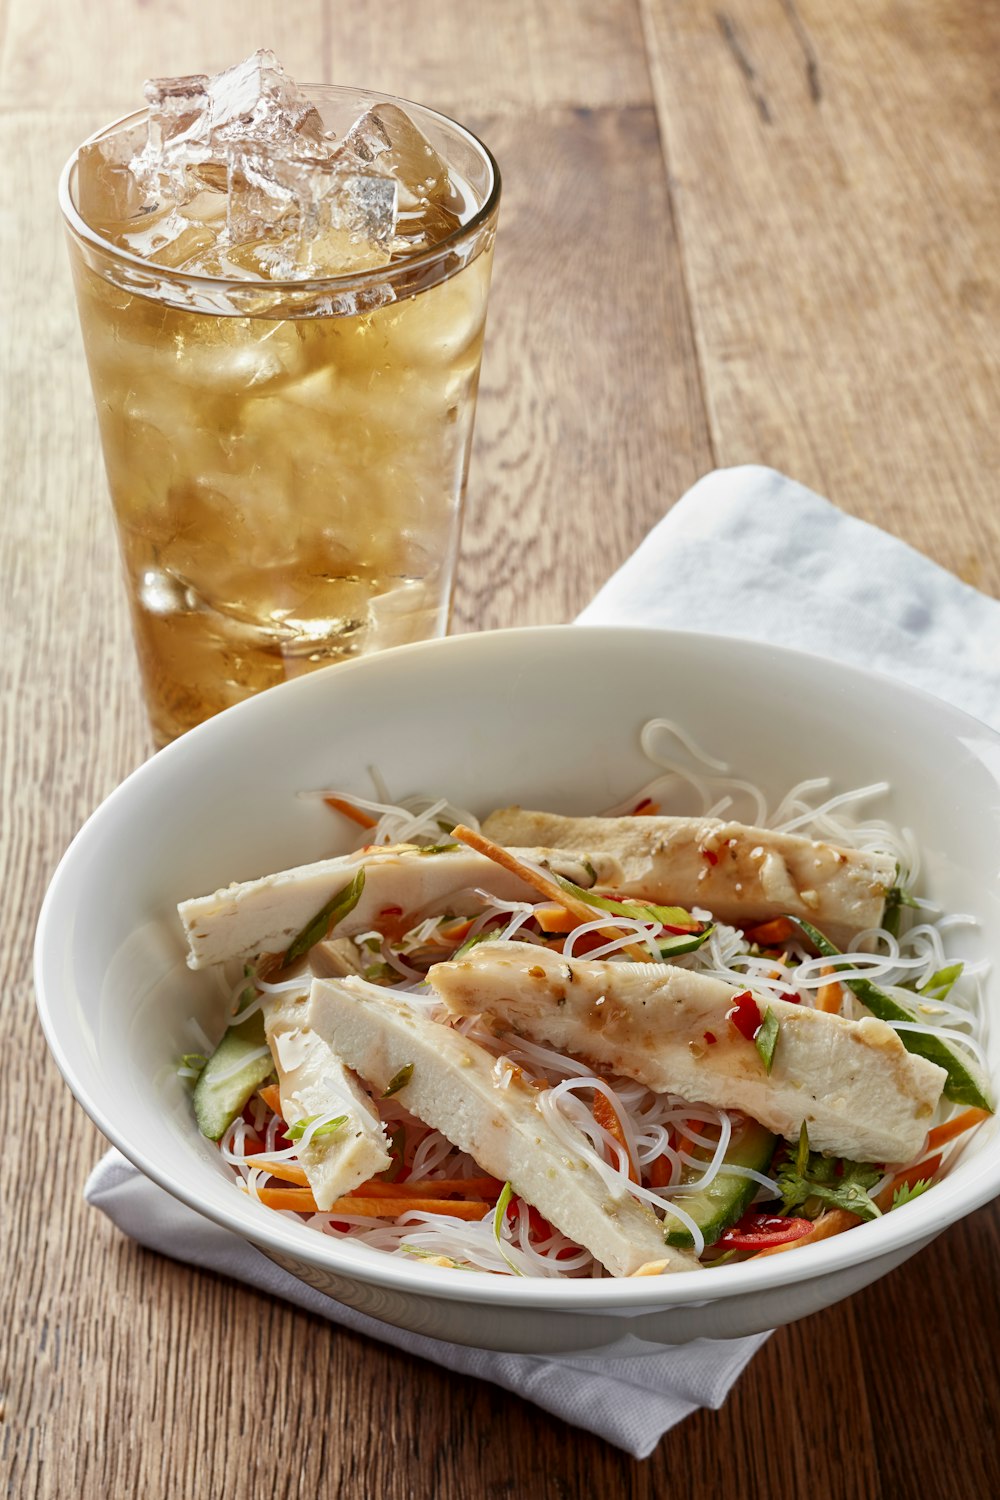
(682, 942)
(966, 1083)
(726, 1198)
(235, 1069)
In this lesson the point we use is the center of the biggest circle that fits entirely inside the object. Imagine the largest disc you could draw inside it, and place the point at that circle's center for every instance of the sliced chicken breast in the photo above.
(456, 1087)
(266, 915)
(859, 1092)
(741, 874)
(312, 1080)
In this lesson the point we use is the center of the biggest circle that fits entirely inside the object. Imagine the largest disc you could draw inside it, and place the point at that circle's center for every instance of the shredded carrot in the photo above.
(770, 934)
(583, 945)
(829, 997)
(941, 1134)
(271, 1097)
(442, 1187)
(391, 1208)
(350, 811)
(288, 1171)
(546, 887)
(454, 933)
(301, 1201)
(646, 809)
(660, 1172)
(838, 1219)
(607, 1117)
(555, 919)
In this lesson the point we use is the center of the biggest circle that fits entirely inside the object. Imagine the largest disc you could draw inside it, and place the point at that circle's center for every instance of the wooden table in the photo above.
(745, 230)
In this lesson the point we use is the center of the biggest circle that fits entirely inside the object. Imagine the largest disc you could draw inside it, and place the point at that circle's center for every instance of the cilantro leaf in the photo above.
(853, 1196)
(814, 1179)
(908, 1191)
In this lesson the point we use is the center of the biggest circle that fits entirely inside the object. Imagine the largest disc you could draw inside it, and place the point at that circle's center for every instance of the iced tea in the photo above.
(284, 322)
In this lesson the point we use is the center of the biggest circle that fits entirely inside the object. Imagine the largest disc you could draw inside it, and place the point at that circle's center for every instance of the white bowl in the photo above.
(547, 717)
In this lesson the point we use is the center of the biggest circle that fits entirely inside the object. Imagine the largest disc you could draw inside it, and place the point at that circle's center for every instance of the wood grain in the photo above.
(453, 56)
(807, 283)
(834, 175)
(591, 417)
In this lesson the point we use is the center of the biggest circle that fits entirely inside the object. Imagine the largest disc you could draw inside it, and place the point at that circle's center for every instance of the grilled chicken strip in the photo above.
(312, 1080)
(266, 915)
(859, 1092)
(741, 874)
(456, 1087)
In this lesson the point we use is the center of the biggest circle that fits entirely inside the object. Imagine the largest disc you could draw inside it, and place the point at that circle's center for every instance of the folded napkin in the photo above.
(746, 552)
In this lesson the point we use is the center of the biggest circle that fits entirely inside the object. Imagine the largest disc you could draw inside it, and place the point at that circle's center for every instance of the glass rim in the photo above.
(349, 281)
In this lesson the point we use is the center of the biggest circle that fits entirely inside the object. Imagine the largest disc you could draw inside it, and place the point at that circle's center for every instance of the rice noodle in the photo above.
(630, 926)
(283, 986)
(688, 1141)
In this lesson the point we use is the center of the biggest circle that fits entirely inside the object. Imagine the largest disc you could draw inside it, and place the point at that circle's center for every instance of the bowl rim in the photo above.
(925, 1217)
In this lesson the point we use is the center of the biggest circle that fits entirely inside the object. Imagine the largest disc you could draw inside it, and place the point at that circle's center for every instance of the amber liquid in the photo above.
(288, 491)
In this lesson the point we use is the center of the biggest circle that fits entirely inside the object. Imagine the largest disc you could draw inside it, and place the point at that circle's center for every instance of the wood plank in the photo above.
(839, 212)
(581, 52)
(933, 1349)
(70, 730)
(590, 421)
(105, 52)
(578, 52)
(126, 1374)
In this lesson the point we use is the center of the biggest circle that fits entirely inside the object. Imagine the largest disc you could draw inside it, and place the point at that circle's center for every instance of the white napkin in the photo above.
(745, 552)
(749, 552)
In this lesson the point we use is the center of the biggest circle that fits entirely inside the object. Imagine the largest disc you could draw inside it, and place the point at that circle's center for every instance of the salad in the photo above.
(638, 1043)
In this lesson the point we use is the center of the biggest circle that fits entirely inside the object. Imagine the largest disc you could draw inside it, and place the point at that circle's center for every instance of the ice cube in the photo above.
(387, 135)
(405, 613)
(297, 202)
(169, 238)
(194, 120)
(429, 208)
(106, 190)
(176, 106)
(262, 193)
(256, 101)
(327, 215)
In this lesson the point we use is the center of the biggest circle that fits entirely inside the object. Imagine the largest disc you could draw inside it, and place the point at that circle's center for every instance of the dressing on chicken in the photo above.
(853, 1085)
(741, 874)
